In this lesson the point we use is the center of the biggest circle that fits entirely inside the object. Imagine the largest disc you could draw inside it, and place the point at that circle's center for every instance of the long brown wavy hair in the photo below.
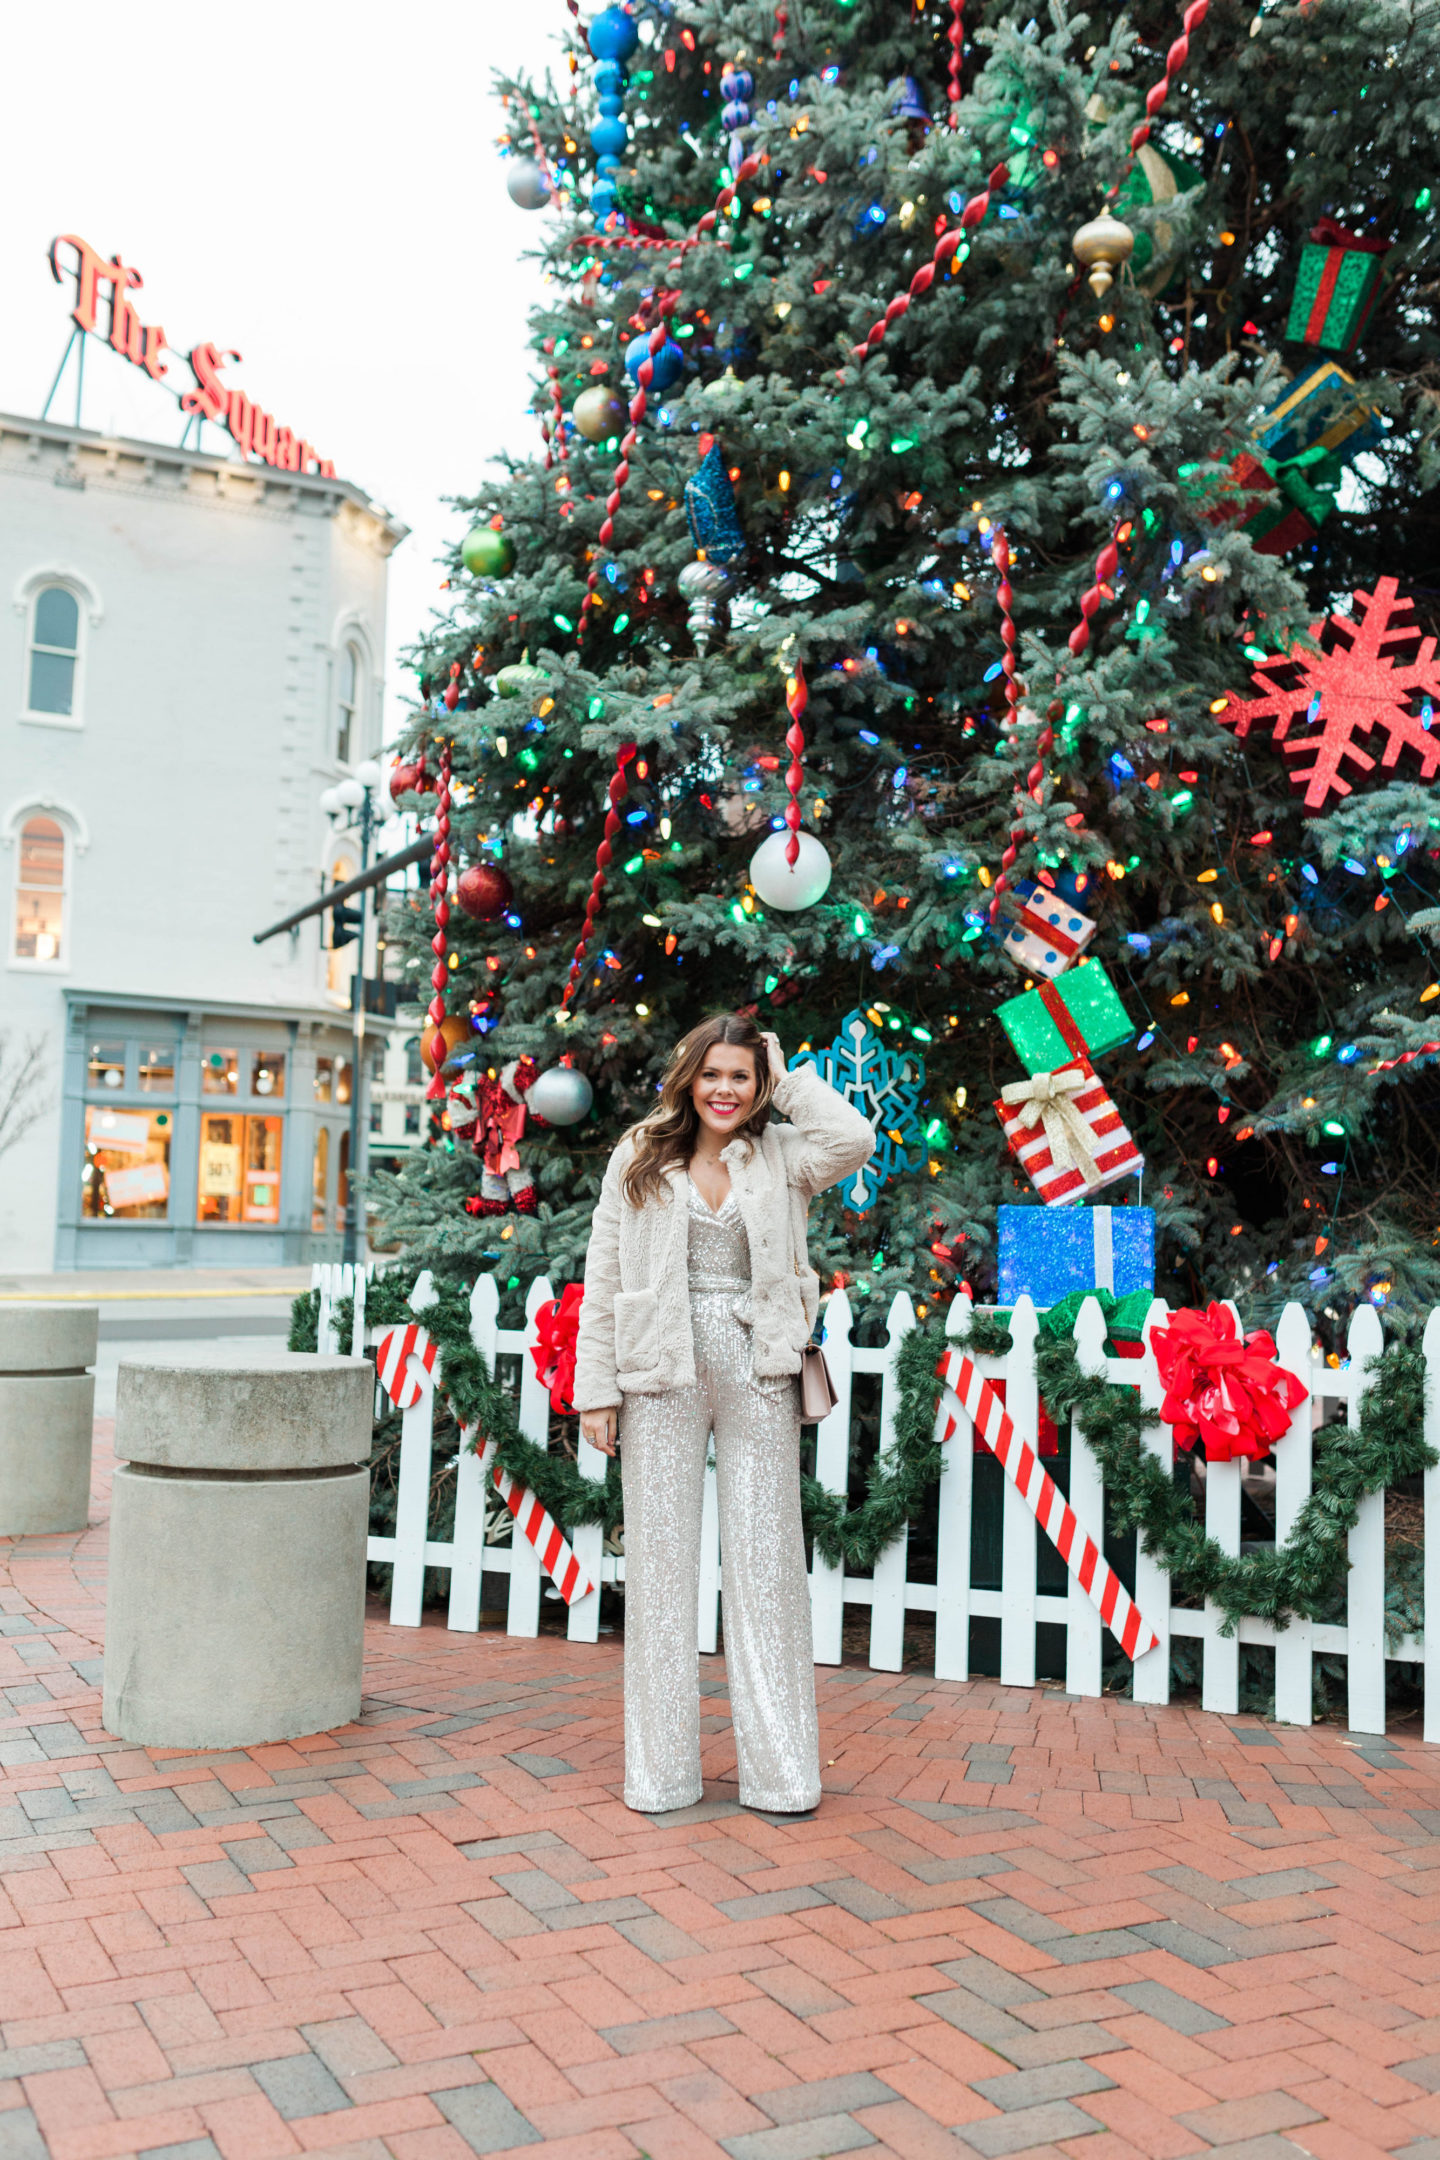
(665, 1140)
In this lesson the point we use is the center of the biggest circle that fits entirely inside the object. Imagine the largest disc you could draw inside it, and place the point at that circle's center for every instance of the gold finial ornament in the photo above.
(1103, 246)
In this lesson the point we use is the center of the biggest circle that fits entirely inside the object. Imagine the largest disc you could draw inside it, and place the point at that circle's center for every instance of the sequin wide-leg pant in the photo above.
(769, 1647)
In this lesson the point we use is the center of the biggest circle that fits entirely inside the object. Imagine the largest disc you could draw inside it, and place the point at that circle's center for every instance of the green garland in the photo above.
(1386, 1447)
(475, 1396)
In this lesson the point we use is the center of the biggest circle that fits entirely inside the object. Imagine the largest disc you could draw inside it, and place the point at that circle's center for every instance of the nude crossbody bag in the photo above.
(817, 1390)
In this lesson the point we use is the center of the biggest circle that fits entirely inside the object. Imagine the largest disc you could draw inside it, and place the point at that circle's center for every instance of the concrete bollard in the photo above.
(236, 1604)
(47, 1409)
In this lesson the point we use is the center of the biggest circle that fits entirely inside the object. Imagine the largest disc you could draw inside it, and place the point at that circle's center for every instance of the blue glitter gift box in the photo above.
(1045, 1253)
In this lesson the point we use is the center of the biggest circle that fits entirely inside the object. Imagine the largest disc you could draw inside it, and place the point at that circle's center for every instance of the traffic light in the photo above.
(344, 925)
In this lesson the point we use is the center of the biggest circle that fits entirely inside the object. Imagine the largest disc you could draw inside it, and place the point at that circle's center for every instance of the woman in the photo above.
(699, 1297)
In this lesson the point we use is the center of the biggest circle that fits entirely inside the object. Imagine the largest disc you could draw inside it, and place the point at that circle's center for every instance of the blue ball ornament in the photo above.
(606, 167)
(736, 84)
(611, 107)
(609, 77)
(609, 137)
(669, 363)
(613, 35)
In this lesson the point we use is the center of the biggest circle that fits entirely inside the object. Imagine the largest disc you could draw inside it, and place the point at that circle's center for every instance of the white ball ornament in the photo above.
(526, 184)
(781, 887)
(561, 1096)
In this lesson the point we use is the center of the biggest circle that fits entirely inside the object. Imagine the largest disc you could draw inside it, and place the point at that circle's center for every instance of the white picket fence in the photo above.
(1018, 1605)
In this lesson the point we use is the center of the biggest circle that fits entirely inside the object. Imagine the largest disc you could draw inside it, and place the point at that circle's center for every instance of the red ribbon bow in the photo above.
(556, 1326)
(1222, 1387)
(1328, 234)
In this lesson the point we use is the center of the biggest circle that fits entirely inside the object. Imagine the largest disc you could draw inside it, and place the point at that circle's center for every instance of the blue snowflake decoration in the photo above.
(885, 1085)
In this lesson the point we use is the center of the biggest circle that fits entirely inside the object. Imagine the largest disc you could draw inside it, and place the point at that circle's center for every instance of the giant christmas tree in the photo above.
(1198, 446)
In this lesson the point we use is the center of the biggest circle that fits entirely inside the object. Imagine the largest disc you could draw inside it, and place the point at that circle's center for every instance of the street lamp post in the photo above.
(354, 796)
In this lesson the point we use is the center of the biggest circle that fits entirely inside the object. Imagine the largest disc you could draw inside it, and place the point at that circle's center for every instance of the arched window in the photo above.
(54, 651)
(347, 705)
(40, 891)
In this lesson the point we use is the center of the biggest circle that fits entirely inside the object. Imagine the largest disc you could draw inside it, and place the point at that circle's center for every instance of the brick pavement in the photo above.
(1018, 1924)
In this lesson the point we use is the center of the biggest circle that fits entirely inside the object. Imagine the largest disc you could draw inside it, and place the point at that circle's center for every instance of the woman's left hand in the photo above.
(778, 1067)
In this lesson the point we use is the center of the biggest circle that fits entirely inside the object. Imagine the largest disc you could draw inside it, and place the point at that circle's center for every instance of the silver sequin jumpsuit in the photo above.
(769, 1648)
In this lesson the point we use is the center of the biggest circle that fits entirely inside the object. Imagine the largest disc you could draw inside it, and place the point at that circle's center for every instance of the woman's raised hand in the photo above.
(778, 1067)
(599, 1427)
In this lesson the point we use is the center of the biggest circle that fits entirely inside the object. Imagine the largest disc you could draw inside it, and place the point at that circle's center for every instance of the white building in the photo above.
(190, 655)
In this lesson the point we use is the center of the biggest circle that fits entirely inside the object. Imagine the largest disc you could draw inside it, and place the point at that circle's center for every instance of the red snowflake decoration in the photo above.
(1368, 676)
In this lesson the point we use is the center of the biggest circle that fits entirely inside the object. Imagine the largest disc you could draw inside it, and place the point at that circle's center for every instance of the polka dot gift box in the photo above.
(1045, 934)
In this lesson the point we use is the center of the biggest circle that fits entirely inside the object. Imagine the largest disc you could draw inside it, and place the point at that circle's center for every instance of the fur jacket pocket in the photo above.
(637, 1334)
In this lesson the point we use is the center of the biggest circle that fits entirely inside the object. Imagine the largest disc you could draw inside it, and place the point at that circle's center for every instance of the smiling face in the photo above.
(723, 1091)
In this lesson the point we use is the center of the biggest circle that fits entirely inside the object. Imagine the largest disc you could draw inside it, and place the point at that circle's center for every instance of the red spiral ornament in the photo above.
(452, 688)
(555, 443)
(797, 697)
(748, 169)
(1156, 95)
(1107, 562)
(644, 375)
(617, 793)
(782, 19)
(956, 36)
(439, 889)
(1014, 689)
(972, 215)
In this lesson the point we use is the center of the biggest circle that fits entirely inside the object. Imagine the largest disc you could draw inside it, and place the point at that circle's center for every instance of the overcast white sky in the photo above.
(311, 183)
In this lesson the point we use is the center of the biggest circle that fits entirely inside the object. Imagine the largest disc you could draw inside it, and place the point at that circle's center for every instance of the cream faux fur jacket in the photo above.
(634, 1334)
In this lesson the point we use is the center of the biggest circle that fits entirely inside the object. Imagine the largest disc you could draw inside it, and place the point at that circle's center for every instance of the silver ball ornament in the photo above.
(561, 1095)
(781, 887)
(526, 184)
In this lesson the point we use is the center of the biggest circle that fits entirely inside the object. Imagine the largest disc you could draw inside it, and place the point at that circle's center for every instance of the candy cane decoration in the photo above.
(439, 887)
(797, 697)
(966, 1394)
(972, 215)
(617, 793)
(1156, 95)
(1107, 562)
(396, 1359)
(555, 1556)
(956, 35)
(1004, 594)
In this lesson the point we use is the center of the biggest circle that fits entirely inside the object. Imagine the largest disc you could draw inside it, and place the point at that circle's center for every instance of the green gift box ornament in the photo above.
(1336, 286)
(1079, 1015)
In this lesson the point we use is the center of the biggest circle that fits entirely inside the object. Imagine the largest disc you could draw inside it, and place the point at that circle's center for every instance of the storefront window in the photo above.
(322, 1173)
(324, 1079)
(342, 1080)
(127, 1164)
(157, 1068)
(220, 1072)
(267, 1073)
(239, 1168)
(107, 1065)
(342, 1190)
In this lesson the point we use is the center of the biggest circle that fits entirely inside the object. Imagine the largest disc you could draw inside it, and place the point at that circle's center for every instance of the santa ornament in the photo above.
(493, 1112)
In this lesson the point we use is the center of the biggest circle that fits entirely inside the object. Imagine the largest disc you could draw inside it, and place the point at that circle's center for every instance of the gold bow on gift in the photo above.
(1047, 1101)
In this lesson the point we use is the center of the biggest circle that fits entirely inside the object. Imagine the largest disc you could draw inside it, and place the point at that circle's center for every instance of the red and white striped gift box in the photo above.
(1040, 1146)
